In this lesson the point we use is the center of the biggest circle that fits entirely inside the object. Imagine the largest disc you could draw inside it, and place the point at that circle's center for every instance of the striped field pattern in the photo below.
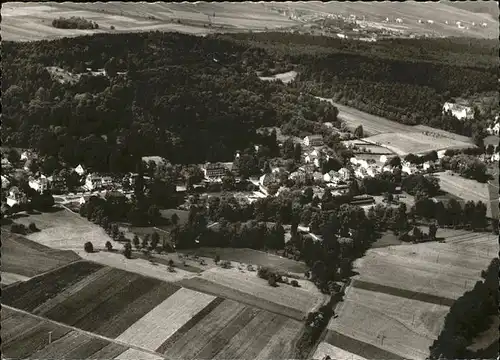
(103, 312)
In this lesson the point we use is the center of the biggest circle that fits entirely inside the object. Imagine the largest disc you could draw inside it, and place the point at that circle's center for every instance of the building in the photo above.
(5, 182)
(331, 176)
(461, 112)
(344, 174)
(95, 182)
(494, 129)
(214, 170)
(79, 170)
(16, 196)
(27, 155)
(40, 185)
(313, 140)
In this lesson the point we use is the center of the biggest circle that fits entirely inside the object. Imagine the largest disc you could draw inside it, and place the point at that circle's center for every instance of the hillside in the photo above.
(30, 21)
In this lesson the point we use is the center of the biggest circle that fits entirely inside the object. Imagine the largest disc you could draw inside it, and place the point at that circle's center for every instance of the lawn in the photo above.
(250, 256)
(467, 189)
(27, 258)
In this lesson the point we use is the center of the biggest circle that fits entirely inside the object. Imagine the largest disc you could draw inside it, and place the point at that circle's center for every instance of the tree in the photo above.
(394, 161)
(109, 246)
(32, 227)
(115, 231)
(272, 281)
(358, 132)
(267, 168)
(110, 67)
(216, 259)
(432, 231)
(153, 214)
(288, 149)
(297, 152)
(155, 239)
(88, 247)
(145, 241)
(174, 219)
(127, 250)
(13, 156)
(136, 241)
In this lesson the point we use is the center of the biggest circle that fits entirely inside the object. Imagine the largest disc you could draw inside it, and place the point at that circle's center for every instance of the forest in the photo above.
(192, 99)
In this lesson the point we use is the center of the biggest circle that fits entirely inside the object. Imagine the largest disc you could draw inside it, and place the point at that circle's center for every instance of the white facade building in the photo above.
(461, 112)
(79, 170)
(40, 185)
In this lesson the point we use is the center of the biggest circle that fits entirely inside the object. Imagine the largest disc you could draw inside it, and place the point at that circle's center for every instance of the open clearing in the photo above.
(26, 22)
(415, 142)
(247, 287)
(325, 349)
(27, 258)
(467, 189)
(285, 78)
(408, 326)
(250, 256)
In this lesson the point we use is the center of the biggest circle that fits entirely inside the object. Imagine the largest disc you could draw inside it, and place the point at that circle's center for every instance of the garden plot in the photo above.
(164, 320)
(290, 300)
(402, 326)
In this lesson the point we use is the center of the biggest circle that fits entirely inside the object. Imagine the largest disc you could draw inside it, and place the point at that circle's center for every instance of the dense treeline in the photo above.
(469, 315)
(74, 22)
(193, 99)
(185, 98)
(405, 80)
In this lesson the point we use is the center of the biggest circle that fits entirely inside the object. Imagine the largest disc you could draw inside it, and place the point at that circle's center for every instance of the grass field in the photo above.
(24, 335)
(248, 288)
(409, 327)
(466, 189)
(415, 142)
(283, 77)
(27, 258)
(250, 256)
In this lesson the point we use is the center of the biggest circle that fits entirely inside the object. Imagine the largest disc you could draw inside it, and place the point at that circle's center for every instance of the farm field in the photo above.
(325, 349)
(248, 288)
(439, 272)
(25, 22)
(232, 330)
(24, 335)
(467, 189)
(427, 130)
(250, 256)
(408, 327)
(148, 315)
(415, 142)
(26, 258)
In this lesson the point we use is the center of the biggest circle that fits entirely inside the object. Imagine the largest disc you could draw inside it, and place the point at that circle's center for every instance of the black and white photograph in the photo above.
(250, 180)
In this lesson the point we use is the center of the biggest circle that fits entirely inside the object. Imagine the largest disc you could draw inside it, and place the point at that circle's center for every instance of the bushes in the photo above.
(88, 247)
(74, 23)
(18, 229)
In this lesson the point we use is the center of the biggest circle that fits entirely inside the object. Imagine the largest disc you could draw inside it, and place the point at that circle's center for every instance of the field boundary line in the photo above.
(91, 334)
(403, 293)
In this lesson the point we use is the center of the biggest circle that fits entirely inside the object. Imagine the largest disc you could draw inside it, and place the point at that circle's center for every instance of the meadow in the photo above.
(415, 142)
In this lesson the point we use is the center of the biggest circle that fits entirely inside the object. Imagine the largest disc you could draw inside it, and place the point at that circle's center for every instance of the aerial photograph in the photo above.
(250, 180)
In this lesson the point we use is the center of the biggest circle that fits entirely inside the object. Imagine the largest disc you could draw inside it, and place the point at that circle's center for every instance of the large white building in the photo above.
(461, 112)
(313, 140)
(40, 185)
(16, 196)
